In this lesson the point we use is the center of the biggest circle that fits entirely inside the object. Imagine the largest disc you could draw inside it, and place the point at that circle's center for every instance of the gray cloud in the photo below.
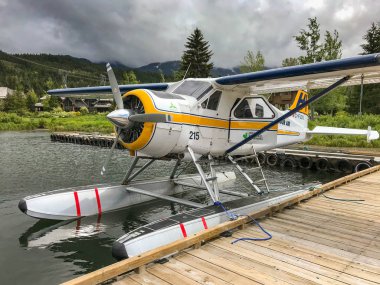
(140, 32)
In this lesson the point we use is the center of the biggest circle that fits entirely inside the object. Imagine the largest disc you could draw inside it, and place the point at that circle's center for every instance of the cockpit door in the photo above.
(250, 115)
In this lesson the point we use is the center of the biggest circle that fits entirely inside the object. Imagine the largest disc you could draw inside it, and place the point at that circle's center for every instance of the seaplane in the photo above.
(207, 123)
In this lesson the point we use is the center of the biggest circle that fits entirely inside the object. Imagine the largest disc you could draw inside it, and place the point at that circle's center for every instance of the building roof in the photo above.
(4, 91)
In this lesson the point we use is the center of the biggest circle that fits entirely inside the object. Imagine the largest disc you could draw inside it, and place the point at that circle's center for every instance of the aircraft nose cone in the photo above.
(22, 206)
(120, 118)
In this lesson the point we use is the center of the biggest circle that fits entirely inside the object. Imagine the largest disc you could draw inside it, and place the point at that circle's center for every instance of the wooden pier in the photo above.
(316, 240)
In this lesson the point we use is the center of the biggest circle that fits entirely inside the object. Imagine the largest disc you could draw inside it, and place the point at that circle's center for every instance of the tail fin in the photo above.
(300, 98)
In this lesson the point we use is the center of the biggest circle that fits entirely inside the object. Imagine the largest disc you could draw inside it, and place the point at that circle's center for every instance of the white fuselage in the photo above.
(215, 122)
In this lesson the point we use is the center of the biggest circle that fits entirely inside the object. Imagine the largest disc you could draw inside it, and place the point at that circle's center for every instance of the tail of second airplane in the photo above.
(302, 116)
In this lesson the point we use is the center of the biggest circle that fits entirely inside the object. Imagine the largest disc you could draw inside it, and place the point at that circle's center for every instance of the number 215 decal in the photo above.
(194, 135)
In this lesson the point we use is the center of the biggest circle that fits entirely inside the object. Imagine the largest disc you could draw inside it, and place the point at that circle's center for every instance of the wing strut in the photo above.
(290, 113)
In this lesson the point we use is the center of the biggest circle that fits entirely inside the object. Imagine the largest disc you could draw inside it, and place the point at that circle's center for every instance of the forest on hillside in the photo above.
(41, 72)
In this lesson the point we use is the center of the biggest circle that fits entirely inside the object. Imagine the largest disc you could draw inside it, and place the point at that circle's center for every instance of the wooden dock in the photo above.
(316, 240)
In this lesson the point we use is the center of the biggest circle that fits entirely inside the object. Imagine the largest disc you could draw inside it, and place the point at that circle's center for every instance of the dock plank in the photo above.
(304, 270)
(344, 244)
(324, 259)
(193, 273)
(317, 241)
(251, 269)
(297, 258)
(147, 278)
(170, 276)
(212, 269)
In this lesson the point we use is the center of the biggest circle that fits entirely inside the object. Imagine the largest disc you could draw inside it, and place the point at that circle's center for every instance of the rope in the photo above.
(343, 200)
(269, 236)
(233, 216)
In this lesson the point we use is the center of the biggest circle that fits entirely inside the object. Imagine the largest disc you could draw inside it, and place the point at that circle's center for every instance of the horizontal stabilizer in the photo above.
(371, 135)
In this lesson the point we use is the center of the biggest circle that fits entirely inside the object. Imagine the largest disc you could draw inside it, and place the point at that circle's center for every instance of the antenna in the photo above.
(186, 71)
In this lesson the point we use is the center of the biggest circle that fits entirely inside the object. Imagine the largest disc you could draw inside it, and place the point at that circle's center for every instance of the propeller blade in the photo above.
(103, 171)
(114, 87)
(153, 118)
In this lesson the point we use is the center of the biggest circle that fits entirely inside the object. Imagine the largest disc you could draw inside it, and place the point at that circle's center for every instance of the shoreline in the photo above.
(98, 124)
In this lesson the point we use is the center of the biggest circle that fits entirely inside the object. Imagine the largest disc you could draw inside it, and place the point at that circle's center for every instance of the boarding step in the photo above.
(165, 197)
(261, 180)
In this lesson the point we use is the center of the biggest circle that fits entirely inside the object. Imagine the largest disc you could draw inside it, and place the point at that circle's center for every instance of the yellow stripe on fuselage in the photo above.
(289, 133)
(188, 119)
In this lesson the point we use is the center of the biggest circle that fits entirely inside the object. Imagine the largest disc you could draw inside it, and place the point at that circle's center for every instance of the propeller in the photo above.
(129, 121)
(114, 87)
(103, 171)
(154, 118)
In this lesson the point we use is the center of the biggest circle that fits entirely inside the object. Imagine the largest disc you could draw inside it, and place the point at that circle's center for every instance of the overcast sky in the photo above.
(139, 32)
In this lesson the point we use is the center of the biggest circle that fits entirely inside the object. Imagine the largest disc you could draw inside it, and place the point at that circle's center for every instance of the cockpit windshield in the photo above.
(196, 89)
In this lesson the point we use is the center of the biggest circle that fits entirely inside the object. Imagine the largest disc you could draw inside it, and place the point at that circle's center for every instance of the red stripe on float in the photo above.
(204, 223)
(98, 201)
(183, 230)
(77, 203)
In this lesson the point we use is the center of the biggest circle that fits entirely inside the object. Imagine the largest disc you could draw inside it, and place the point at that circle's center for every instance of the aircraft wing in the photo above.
(371, 135)
(308, 76)
(105, 90)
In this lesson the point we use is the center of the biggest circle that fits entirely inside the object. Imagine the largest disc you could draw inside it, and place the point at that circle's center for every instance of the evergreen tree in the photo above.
(15, 102)
(370, 101)
(372, 38)
(308, 40)
(162, 76)
(31, 99)
(196, 57)
(252, 62)
(316, 51)
(331, 48)
(129, 77)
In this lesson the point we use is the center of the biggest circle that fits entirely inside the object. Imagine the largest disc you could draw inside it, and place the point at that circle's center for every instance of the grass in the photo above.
(75, 121)
(343, 120)
(61, 121)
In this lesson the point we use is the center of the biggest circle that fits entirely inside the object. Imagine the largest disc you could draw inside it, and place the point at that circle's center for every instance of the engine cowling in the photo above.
(152, 139)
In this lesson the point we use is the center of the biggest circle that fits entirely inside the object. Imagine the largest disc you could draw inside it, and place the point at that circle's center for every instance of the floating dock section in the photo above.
(318, 238)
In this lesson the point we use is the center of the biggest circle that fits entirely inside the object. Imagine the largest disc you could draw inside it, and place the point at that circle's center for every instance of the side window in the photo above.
(213, 101)
(253, 108)
(204, 103)
(243, 111)
(259, 111)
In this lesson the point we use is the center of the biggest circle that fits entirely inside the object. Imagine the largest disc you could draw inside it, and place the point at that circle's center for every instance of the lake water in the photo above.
(47, 252)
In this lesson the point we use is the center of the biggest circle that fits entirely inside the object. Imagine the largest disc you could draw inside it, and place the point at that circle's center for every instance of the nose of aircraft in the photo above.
(120, 118)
